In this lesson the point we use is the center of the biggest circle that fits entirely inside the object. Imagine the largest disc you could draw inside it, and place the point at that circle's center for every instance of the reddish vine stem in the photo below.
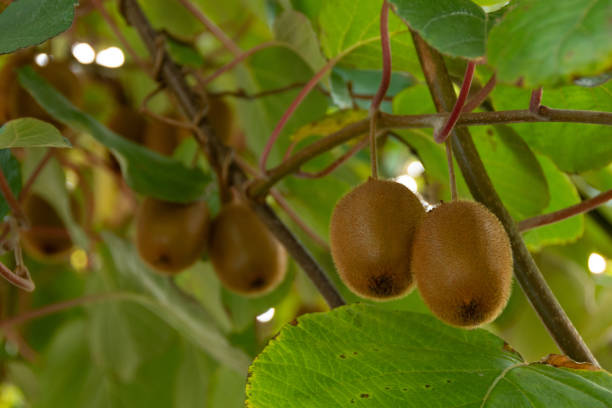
(454, 116)
(536, 101)
(218, 153)
(22, 283)
(480, 96)
(337, 163)
(212, 27)
(526, 271)
(39, 168)
(291, 110)
(556, 216)
(61, 306)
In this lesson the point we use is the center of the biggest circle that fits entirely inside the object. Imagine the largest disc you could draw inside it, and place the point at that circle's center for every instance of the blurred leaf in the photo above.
(12, 172)
(453, 27)
(227, 389)
(145, 171)
(574, 147)
(389, 359)
(547, 42)
(562, 194)
(184, 53)
(29, 22)
(192, 381)
(294, 29)
(178, 311)
(329, 124)
(30, 132)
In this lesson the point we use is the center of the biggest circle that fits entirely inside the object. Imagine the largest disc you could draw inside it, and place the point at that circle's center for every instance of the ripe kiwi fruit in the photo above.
(462, 262)
(18, 102)
(171, 236)
(129, 123)
(245, 255)
(163, 137)
(47, 239)
(371, 233)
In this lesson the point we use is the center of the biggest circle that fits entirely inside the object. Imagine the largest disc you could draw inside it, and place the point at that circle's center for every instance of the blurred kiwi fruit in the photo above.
(171, 236)
(371, 233)
(47, 239)
(163, 137)
(245, 255)
(16, 102)
(462, 262)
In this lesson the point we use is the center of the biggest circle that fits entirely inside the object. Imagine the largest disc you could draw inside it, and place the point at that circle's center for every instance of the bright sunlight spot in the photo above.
(111, 57)
(266, 316)
(10, 396)
(72, 179)
(41, 59)
(78, 259)
(415, 168)
(84, 53)
(408, 182)
(597, 263)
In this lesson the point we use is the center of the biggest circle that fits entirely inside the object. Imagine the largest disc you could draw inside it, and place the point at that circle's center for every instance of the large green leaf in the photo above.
(366, 356)
(12, 173)
(295, 29)
(350, 30)
(30, 132)
(29, 22)
(517, 176)
(454, 27)
(144, 170)
(574, 147)
(546, 42)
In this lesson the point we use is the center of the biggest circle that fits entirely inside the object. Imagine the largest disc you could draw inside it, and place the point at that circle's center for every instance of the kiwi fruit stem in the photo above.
(373, 153)
(451, 168)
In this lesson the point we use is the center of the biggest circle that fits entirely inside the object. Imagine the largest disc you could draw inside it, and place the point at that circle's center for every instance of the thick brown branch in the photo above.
(526, 271)
(550, 218)
(218, 153)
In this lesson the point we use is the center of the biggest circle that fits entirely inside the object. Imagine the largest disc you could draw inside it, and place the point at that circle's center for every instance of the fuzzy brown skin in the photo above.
(129, 123)
(47, 239)
(171, 236)
(371, 233)
(18, 103)
(462, 262)
(164, 138)
(245, 255)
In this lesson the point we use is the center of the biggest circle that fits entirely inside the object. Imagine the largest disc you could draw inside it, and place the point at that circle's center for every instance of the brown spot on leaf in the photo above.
(365, 395)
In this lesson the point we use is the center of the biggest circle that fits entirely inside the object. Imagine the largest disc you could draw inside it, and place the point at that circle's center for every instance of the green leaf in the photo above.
(295, 29)
(515, 172)
(547, 42)
(453, 27)
(144, 170)
(350, 30)
(574, 147)
(162, 298)
(562, 194)
(29, 22)
(12, 172)
(366, 356)
(30, 132)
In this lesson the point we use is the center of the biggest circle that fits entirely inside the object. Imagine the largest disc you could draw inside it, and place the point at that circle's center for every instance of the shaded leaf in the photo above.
(547, 42)
(453, 27)
(29, 22)
(12, 172)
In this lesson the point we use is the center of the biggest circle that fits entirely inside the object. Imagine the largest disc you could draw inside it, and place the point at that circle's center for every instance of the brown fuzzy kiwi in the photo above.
(163, 137)
(462, 262)
(129, 123)
(18, 102)
(47, 239)
(171, 236)
(371, 234)
(246, 257)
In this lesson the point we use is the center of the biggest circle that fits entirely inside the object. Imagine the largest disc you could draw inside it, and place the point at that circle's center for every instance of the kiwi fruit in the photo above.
(245, 255)
(47, 239)
(129, 123)
(18, 102)
(371, 233)
(462, 262)
(171, 236)
(163, 137)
